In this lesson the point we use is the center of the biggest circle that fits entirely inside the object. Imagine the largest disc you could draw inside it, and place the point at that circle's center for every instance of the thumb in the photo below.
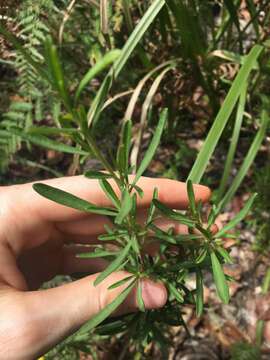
(56, 313)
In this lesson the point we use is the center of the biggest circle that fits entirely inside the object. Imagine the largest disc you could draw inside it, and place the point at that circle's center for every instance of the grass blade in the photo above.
(72, 201)
(223, 116)
(114, 265)
(239, 217)
(153, 145)
(253, 150)
(220, 280)
(137, 34)
(126, 52)
(144, 116)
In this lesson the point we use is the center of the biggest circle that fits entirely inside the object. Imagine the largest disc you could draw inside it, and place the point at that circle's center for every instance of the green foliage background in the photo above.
(186, 60)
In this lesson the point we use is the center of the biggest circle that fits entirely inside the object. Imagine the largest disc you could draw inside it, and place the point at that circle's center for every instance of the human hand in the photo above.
(39, 239)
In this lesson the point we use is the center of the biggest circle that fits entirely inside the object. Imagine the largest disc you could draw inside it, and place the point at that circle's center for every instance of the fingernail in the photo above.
(154, 294)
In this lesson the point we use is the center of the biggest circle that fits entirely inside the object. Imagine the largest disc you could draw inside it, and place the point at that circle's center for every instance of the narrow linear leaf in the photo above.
(153, 145)
(114, 265)
(224, 253)
(57, 72)
(137, 34)
(92, 174)
(96, 254)
(108, 310)
(124, 148)
(219, 278)
(126, 207)
(239, 217)
(151, 211)
(120, 282)
(139, 297)
(223, 116)
(191, 197)
(106, 61)
(178, 296)
(109, 192)
(172, 214)
(199, 293)
(72, 201)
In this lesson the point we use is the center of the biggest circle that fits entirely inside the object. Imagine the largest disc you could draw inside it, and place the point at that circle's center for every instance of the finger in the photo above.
(58, 312)
(172, 193)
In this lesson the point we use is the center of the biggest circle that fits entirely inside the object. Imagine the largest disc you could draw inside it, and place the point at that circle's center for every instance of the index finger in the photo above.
(171, 192)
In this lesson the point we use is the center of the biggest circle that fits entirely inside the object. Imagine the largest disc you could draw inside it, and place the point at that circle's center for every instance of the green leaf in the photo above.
(152, 208)
(153, 145)
(220, 280)
(253, 150)
(92, 174)
(172, 214)
(138, 34)
(98, 102)
(224, 253)
(126, 207)
(139, 297)
(126, 52)
(96, 254)
(239, 217)
(223, 116)
(109, 192)
(199, 293)
(114, 265)
(139, 191)
(108, 310)
(178, 296)
(191, 198)
(134, 243)
(120, 282)
(102, 64)
(57, 72)
(124, 148)
(162, 235)
(72, 201)
(43, 141)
